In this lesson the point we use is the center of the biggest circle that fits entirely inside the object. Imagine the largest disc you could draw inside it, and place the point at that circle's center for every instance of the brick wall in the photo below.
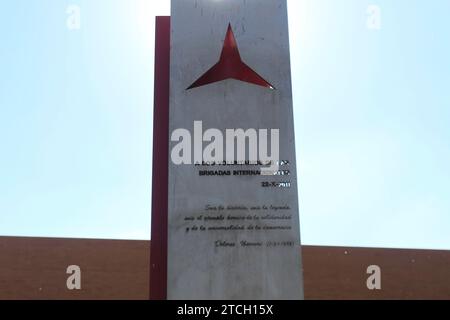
(35, 268)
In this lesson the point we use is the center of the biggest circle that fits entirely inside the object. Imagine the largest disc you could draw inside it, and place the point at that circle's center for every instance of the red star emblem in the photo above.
(230, 66)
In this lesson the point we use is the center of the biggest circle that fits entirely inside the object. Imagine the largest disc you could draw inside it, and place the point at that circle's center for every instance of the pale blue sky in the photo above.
(372, 110)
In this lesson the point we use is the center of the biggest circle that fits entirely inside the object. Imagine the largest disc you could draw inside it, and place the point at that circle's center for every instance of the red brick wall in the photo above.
(35, 268)
(340, 273)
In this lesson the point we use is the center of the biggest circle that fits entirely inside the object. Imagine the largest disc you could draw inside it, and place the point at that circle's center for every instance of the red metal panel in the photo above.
(158, 252)
(230, 66)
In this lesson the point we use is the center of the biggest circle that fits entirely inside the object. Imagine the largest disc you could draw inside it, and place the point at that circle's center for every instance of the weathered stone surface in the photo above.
(214, 253)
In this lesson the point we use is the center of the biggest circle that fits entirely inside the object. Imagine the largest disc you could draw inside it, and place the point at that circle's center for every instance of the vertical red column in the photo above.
(158, 252)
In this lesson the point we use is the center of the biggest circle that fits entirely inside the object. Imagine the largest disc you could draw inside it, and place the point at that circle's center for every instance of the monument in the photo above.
(225, 210)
